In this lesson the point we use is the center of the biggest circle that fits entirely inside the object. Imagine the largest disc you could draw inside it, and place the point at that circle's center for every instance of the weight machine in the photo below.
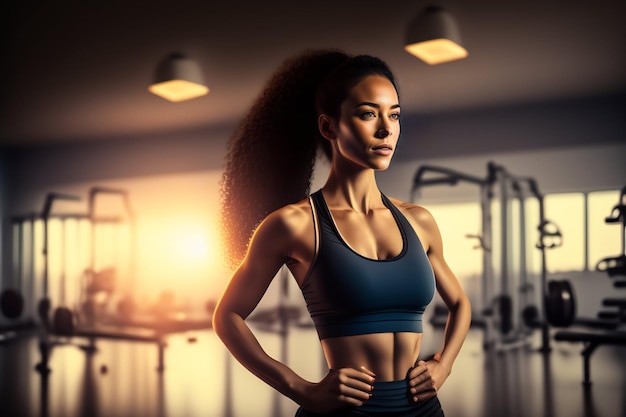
(15, 298)
(125, 313)
(64, 325)
(502, 327)
(447, 176)
(614, 266)
(557, 303)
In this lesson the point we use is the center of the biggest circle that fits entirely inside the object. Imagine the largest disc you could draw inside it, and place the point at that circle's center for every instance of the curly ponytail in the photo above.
(271, 155)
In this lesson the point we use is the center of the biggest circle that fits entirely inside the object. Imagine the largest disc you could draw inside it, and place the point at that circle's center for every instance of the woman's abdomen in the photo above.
(388, 355)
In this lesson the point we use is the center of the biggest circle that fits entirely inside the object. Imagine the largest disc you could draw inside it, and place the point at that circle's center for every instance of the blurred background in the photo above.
(109, 199)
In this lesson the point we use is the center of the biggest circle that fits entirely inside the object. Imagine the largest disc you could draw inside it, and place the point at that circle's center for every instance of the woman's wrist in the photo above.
(298, 389)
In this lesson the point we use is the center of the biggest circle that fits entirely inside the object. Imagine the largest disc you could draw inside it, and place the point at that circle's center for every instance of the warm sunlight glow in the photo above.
(178, 243)
(175, 253)
(191, 245)
(437, 51)
(162, 249)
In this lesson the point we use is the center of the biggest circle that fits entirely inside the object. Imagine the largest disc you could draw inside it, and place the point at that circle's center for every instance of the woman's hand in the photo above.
(426, 378)
(340, 388)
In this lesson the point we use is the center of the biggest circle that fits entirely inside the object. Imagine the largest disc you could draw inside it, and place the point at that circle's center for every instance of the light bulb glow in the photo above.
(178, 90)
(437, 51)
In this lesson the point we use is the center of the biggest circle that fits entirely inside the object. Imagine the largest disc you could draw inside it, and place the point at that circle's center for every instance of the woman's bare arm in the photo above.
(427, 377)
(267, 253)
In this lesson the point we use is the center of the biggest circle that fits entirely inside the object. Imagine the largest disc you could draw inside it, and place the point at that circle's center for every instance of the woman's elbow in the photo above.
(461, 305)
(464, 307)
(219, 321)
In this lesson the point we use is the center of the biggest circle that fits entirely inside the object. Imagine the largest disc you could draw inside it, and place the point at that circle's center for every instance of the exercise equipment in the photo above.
(560, 303)
(446, 176)
(495, 310)
(613, 265)
(59, 324)
(558, 300)
(63, 321)
(63, 327)
(11, 298)
(503, 317)
(616, 265)
(512, 305)
(101, 296)
(618, 216)
(559, 306)
(592, 339)
(12, 303)
(620, 304)
(15, 298)
(99, 281)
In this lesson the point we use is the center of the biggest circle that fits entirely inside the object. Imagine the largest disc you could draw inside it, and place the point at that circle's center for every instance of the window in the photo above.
(460, 227)
(604, 238)
(567, 212)
(586, 238)
(459, 224)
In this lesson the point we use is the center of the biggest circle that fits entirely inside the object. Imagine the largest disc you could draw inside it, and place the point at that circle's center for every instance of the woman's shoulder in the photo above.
(291, 219)
(418, 213)
(423, 223)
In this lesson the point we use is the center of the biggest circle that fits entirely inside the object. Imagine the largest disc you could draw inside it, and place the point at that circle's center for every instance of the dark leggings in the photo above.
(390, 399)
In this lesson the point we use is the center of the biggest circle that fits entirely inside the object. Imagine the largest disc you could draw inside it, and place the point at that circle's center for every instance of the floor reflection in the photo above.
(201, 379)
(548, 397)
(89, 404)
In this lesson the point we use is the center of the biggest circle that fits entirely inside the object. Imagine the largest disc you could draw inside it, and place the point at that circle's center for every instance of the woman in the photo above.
(367, 265)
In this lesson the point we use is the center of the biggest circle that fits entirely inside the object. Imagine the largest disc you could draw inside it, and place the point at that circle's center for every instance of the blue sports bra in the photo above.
(348, 294)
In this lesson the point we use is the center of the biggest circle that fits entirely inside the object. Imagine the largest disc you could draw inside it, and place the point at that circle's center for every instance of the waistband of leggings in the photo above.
(389, 396)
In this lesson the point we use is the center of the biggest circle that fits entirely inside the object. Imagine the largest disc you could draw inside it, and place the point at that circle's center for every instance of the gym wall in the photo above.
(556, 170)
(3, 209)
(550, 144)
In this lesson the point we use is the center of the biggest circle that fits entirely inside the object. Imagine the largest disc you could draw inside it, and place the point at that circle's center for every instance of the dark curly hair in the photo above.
(272, 153)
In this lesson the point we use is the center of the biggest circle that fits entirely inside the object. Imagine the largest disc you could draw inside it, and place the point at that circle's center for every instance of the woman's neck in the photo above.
(358, 192)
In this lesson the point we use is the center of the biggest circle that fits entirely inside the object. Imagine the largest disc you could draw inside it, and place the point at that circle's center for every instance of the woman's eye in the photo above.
(368, 115)
(395, 116)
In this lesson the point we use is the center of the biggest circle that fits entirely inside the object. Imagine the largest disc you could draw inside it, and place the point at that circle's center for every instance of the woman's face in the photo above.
(369, 124)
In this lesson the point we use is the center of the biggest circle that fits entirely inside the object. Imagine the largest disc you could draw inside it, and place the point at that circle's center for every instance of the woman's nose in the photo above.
(382, 133)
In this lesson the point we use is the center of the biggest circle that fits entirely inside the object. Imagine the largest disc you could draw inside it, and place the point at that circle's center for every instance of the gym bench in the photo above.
(49, 340)
(103, 332)
(620, 303)
(591, 339)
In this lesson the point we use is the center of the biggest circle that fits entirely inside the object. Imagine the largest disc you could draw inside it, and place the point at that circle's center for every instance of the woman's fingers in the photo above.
(340, 388)
(356, 384)
(368, 372)
(353, 396)
(418, 373)
(422, 386)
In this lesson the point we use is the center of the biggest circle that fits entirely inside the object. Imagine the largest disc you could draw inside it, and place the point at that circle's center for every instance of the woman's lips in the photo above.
(384, 150)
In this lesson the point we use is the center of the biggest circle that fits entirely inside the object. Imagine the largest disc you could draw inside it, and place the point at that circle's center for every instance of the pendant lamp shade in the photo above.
(178, 78)
(434, 37)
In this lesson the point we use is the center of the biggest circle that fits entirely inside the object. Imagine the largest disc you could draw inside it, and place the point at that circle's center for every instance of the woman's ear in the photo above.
(326, 126)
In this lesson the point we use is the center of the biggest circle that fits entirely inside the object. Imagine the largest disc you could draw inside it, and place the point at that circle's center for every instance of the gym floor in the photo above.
(200, 379)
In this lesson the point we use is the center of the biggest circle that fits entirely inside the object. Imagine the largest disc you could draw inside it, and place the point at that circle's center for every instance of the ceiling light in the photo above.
(178, 78)
(433, 36)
